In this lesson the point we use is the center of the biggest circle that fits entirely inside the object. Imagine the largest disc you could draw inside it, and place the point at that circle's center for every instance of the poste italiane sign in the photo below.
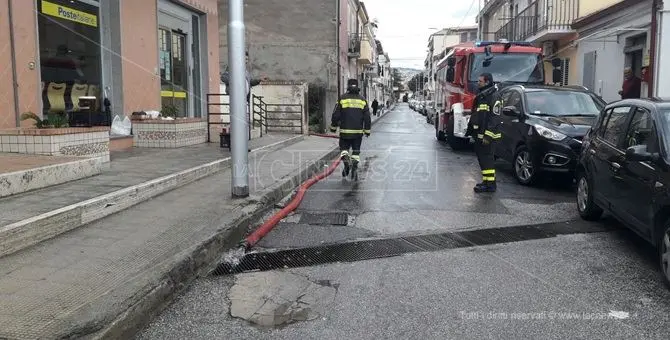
(67, 13)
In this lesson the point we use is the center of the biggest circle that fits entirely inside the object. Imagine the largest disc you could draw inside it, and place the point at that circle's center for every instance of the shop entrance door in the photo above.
(176, 39)
(174, 73)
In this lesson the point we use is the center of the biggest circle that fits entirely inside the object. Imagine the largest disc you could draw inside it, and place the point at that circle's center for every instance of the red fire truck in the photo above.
(457, 74)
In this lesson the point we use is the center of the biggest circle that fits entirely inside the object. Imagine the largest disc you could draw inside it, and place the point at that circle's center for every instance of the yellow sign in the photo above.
(67, 13)
(175, 94)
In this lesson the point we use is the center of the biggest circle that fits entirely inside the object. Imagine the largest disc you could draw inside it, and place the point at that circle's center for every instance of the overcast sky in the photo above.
(404, 25)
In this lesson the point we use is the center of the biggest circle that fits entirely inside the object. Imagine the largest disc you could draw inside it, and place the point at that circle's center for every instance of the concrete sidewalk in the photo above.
(108, 278)
(132, 177)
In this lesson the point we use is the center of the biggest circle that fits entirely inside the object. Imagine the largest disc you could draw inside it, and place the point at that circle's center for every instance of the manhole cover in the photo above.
(325, 218)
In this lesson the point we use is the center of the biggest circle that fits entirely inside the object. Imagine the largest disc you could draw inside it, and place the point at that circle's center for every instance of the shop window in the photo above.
(172, 64)
(70, 55)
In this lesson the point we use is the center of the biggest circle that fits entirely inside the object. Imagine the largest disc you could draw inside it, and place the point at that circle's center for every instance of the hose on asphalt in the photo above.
(266, 227)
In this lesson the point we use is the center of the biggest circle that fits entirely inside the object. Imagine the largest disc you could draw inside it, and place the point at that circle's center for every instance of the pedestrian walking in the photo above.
(249, 83)
(375, 106)
(352, 116)
(485, 124)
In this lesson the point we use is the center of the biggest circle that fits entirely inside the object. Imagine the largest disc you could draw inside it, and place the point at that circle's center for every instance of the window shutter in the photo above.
(566, 71)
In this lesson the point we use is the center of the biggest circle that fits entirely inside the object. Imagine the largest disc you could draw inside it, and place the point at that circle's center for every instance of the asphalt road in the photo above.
(586, 285)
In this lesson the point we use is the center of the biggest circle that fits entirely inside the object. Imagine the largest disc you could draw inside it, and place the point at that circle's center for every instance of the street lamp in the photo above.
(238, 104)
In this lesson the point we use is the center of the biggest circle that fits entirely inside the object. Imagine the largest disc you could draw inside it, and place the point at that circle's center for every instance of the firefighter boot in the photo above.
(344, 156)
(478, 186)
(354, 167)
(486, 187)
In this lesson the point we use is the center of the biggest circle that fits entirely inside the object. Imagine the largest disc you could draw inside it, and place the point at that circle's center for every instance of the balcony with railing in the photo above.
(354, 45)
(542, 20)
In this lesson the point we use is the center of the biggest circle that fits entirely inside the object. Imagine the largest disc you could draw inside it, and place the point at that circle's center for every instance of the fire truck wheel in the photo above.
(458, 144)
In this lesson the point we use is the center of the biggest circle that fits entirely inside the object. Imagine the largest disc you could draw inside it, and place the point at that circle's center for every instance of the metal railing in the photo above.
(355, 40)
(220, 112)
(538, 16)
(267, 118)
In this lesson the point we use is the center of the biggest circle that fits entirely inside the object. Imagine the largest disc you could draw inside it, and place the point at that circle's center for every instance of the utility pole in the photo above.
(238, 100)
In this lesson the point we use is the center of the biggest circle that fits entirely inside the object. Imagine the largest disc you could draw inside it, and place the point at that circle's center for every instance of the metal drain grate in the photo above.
(324, 218)
(380, 248)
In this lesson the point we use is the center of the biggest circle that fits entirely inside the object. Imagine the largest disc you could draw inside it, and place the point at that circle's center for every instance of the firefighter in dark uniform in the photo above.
(485, 126)
(352, 116)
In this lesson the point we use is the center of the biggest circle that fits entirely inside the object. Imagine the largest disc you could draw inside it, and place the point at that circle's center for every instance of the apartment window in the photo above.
(464, 37)
(473, 36)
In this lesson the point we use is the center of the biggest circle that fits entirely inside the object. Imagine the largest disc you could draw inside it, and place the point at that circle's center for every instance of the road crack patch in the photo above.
(275, 299)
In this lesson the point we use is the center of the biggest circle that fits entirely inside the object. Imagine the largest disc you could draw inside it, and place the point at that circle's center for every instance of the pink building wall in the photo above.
(25, 44)
(344, 43)
(139, 50)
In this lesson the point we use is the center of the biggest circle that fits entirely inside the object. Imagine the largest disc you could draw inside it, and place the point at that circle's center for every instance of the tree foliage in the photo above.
(397, 78)
(415, 83)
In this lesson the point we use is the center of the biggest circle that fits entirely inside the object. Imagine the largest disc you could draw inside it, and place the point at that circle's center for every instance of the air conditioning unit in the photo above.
(548, 48)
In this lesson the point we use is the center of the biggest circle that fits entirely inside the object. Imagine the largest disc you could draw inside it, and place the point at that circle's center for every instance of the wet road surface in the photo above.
(517, 264)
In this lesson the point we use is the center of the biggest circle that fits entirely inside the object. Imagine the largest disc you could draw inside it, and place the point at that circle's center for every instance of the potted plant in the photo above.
(169, 111)
(53, 120)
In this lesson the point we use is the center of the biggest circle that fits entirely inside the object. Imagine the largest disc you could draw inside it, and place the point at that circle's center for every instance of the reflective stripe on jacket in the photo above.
(352, 116)
(487, 117)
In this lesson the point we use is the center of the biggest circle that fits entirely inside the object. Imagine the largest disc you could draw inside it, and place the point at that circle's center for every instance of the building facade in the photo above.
(545, 23)
(131, 55)
(383, 81)
(300, 41)
(593, 40)
(662, 71)
(611, 39)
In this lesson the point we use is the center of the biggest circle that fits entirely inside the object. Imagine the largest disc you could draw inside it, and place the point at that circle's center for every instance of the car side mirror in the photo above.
(639, 153)
(511, 111)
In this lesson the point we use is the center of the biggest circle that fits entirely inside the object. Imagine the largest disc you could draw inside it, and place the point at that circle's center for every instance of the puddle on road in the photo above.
(276, 299)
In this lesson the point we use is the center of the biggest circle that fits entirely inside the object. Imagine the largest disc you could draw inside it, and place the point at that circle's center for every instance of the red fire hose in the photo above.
(266, 227)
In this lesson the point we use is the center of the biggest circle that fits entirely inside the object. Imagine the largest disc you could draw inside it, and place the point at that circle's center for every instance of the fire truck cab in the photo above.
(458, 72)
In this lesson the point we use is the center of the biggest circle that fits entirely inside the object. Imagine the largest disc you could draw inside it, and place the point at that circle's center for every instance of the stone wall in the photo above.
(80, 142)
(286, 105)
(156, 133)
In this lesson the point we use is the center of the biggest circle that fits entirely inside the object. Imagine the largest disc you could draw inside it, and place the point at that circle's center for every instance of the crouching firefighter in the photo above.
(352, 116)
(486, 125)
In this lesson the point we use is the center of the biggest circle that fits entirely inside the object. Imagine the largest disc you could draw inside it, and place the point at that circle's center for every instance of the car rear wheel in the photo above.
(664, 253)
(587, 208)
(524, 169)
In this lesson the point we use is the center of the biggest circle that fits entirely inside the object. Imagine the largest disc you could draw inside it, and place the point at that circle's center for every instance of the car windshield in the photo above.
(562, 103)
(511, 67)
